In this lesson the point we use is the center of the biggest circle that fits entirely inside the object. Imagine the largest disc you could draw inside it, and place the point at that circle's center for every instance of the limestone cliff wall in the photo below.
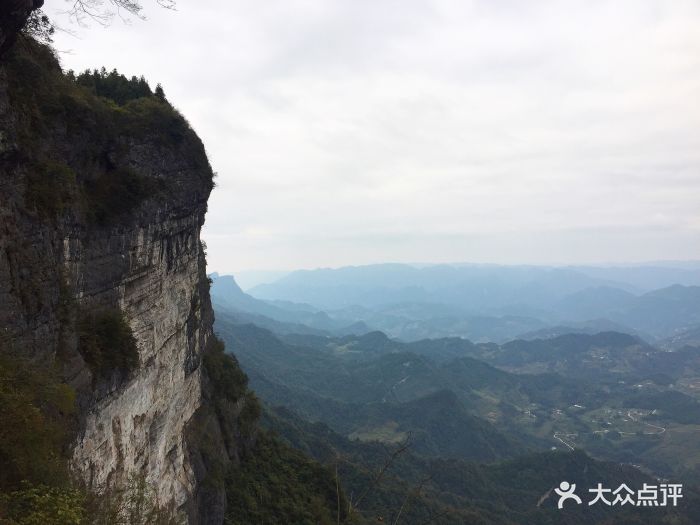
(139, 426)
(66, 251)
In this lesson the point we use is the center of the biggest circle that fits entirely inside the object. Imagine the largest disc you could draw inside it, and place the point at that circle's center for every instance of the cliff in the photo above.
(101, 207)
(13, 15)
(110, 373)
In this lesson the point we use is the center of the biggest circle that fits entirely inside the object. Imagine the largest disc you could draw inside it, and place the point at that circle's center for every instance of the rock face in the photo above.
(66, 250)
(13, 15)
(139, 427)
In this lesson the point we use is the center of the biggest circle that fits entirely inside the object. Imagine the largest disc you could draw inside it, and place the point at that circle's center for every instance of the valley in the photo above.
(609, 395)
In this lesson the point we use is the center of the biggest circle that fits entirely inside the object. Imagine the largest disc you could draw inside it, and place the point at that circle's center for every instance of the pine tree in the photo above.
(160, 93)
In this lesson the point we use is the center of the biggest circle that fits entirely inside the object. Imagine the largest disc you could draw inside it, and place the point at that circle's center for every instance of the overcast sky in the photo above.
(360, 131)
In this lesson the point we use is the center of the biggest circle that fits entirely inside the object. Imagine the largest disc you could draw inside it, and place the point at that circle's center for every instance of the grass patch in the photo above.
(386, 433)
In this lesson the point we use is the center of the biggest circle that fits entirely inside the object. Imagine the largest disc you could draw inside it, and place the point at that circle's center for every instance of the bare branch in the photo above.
(40, 27)
(337, 491)
(387, 464)
(99, 11)
(415, 492)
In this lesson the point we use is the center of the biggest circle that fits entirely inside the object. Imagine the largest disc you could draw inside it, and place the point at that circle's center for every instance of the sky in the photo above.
(363, 131)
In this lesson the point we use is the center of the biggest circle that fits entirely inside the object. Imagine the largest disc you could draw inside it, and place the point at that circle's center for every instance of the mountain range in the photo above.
(480, 303)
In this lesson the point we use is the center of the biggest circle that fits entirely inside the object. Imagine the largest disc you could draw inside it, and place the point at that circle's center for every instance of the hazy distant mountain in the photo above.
(663, 312)
(494, 303)
(592, 303)
(248, 279)
(659, 313)
(282, 317)
(471, 288)
(648, 277)
(278, 327)
(225, 291)
(590, 327)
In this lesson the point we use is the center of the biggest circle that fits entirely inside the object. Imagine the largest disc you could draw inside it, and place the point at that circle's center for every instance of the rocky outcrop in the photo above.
(13, 15)
(92, 217)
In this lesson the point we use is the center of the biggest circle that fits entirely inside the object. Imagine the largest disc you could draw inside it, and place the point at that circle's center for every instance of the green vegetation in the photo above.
(358, 392)
(229, 382)
(373, 392)
(669, 405)
(40, 504)
(276, 484)
(451, 492)
(50, 188)
(264, 480)
(229, 385)
(109, 122)
(116, 193)
(107, 344)
(219, 425)
(113, 85)
(36, 410)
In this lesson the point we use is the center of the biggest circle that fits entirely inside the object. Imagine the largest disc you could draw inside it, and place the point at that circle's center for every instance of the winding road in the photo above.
(660, 429)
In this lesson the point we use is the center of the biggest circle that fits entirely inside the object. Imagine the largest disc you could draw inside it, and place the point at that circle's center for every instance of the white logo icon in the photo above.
(565, 492)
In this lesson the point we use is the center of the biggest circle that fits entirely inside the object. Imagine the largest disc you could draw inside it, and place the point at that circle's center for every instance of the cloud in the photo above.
(360, 131)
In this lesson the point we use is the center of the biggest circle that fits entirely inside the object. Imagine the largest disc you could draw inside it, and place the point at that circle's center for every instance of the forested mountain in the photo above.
(369, 395)
(452, 492)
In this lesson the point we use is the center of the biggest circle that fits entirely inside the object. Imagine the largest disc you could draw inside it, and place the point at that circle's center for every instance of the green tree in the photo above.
(35, 411)
(160, 93)
(40, 27)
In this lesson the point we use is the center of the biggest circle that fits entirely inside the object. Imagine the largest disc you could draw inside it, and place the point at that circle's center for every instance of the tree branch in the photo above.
(380, 474)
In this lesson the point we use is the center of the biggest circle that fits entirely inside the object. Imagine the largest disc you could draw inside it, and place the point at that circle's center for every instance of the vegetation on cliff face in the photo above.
(37, 411)
(257, 477)
(71, 158)
(277, 484)
(99, 117)
(107, 344)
